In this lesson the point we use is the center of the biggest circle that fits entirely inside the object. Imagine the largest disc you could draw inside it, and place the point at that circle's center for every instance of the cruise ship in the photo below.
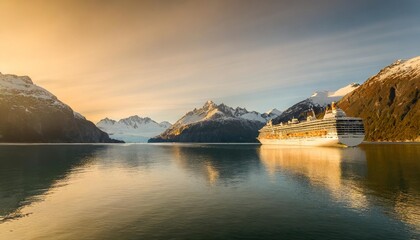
(335, 129)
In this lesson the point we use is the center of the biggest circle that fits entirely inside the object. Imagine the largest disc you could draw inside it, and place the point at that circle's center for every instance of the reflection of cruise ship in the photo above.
(335, 129)
(357, 177)
(322, 167)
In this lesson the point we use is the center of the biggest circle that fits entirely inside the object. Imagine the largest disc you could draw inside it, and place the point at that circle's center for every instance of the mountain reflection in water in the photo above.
(217, 163)
(199, 191)
(27, 173)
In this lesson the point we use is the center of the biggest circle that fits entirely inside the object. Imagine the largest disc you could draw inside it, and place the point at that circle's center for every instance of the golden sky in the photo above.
(162, 58)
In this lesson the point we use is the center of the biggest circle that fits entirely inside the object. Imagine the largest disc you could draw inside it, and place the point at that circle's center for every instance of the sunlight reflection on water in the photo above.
(209, 191)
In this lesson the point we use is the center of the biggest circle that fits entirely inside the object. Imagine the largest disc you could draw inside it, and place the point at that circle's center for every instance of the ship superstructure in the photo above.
(335, 129)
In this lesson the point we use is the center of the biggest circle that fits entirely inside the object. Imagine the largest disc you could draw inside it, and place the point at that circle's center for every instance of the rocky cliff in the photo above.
(388, 103)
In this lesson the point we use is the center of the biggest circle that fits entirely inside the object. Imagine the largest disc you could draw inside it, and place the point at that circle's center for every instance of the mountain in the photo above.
(29, 113)
(318, 101)
(388, 102)
(273, 113)
(214, 123)
(133, 129)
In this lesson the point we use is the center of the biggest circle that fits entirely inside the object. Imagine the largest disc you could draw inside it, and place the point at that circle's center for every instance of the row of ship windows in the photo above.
(302, 130)
(354, 130)
(318, 125)
(318, 128)
(273, 136)
(323, 125)
(350, 130)
(307, 127)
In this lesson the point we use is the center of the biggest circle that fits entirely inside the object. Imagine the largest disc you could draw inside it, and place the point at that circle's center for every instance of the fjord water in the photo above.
(194, 191)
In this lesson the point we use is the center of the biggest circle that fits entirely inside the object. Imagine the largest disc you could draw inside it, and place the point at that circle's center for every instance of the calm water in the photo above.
(209, 192)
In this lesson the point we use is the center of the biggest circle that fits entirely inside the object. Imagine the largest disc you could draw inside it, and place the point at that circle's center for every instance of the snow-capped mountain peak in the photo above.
(271, 114)
(274, 111)
(165, 124)
(209, 105)
(133, 128)
(399, 69)
(344, 90)
(322, 98)
(212, 111)
(30, 113)
(23, 86)
(232, 124)
(240, 111)
(317, 102)
(389, 101)
(135, 120)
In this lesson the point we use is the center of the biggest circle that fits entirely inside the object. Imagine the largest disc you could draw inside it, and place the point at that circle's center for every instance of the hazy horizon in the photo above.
(161, 59)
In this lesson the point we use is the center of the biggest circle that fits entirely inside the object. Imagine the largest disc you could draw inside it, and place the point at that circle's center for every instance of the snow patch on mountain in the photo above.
(14, 85)
(273, 113)
(22, 86)
(322, 98)
(254, 116)
(78, 115)
(316, 102)
(165, 124)
(132, 129)
(399, 69)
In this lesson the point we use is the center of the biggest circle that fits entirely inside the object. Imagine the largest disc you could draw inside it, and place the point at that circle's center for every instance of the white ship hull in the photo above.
(341, 141)
(335, 129)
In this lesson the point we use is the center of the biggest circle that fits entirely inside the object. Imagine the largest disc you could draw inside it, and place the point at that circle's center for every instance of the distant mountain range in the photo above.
(388, 103)
(216, 123)
(133, 129)
(29, 113)
(221, 123)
